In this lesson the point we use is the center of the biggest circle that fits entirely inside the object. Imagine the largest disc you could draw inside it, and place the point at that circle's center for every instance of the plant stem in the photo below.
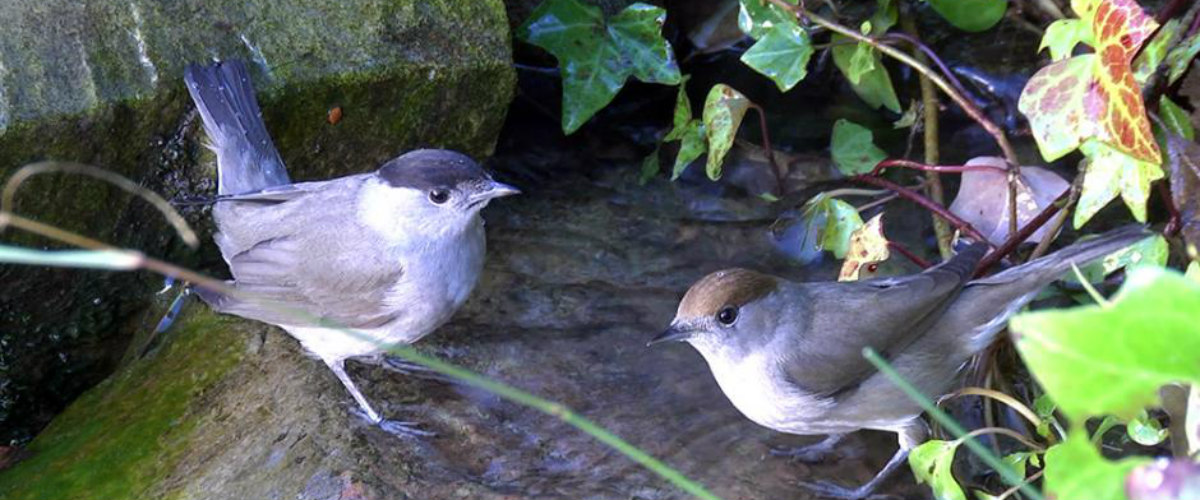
(929, 108)
(1061, 220)
(766, 139)
(955, 169)
(1010, 155)
(1174, 223)
(1015, 239)
(916, 197)
(1004, 431)
(902, 250)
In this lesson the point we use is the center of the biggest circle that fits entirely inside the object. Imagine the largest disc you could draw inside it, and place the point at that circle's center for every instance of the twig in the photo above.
(1013, 489)
(916, 197)
(916, 259)
(1044, 245)
(1008, 400)
(1015, 239)
(927, 52)
(766, 139)
(875, 203)
(955, 169)
(1004, 431)
(1010, 155)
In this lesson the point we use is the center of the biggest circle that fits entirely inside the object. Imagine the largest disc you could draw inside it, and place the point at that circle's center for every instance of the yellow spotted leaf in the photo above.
(868, 247)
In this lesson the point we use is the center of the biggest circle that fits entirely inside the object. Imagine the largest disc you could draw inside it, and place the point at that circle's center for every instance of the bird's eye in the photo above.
(727, 315)
(439, 195)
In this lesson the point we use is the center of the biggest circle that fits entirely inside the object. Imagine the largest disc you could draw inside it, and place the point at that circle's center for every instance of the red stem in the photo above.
(1175, 222)
(1021, 235)
(908, 253)
(885, 164)
(917, 198)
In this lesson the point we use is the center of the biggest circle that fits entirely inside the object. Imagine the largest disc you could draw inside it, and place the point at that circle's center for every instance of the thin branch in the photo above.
(902, 250)
(1004, 431)
(916, 197)
(931, 55)
(955, 169)
(766, 139)
(1013, 489)
(1015, 239)
(1008, 400)
(1073, 197)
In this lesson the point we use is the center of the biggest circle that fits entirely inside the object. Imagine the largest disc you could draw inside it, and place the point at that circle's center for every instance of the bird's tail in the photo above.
(247, 160)
(999, 296)
(1050, 267)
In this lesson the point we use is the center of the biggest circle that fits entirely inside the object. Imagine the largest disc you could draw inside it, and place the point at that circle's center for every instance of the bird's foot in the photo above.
(810, 454)
(410, 369)
(405, 429)
(831, 490)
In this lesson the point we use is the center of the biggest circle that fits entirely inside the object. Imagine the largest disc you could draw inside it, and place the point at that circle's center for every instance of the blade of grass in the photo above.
(113, 260)
(1007, 473)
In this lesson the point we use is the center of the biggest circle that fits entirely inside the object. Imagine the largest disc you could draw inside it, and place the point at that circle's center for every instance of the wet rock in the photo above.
(101, 83)
(581, 272)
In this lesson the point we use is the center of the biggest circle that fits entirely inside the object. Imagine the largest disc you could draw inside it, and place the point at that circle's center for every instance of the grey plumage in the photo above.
(391, 254)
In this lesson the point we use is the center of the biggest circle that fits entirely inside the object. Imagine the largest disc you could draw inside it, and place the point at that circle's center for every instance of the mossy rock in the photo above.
(101, 83)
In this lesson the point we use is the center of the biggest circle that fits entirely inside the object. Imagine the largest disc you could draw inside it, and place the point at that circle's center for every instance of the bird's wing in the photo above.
(308, 254)
(887, 315)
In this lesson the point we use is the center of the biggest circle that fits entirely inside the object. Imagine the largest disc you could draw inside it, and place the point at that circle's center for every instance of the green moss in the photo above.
(118, 439)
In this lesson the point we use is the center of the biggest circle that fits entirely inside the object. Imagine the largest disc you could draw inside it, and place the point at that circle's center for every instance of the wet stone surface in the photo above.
(581, 272)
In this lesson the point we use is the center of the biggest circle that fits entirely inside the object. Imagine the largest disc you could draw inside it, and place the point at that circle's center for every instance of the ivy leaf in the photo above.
(861, 63)
(853, 147)
(1074, 469)
(1097, 360)
(931, 464)
(1063, 35)
(868, 246)
(637, 32)
(1092, 102)
(594, 58)
(1176, 119)
(683, 113)
(650, 167)
(833, 222)
(1151, 251)
(970, 15)
(1181, 57)
(875, 86)
(1109, 173)
(1017, 461)
(1154, 53)
(691, 147)
(724, 109)
(885, 16)
(781, 54)
(757, 17)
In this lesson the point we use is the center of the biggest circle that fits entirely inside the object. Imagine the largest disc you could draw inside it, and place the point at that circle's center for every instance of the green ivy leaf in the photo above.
(650, 167)
(691, 147)
(1150, 251)
(637, 33)
(1074, 469)
(1145, 431)
(683, 113)
(781, 54)
(1176, 119)
(931, 464)
(724, 109)
(875, 86)
(1109, 173)
(833, 221)
(1017, 461)
(757, 17)
(596, 59)
(861, 63)
(1154, 52)
(970, 15)
(853, 147)
(1111, 359)
(1181, 57)
(1063, 35)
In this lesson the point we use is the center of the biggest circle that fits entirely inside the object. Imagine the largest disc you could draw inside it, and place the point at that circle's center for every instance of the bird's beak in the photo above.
(500, 190)
(675, 332)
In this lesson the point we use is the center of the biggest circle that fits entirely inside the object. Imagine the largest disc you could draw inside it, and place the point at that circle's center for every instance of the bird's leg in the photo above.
(910, 435)
(404, 429)
(811, 453)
